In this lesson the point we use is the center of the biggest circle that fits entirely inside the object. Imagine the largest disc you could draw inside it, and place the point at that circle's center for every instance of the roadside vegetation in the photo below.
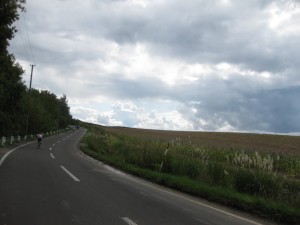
(260, 182)
(24, 110)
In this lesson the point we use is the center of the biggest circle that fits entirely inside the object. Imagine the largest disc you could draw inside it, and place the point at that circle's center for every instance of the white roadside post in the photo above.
(3, 140)
(11, 139)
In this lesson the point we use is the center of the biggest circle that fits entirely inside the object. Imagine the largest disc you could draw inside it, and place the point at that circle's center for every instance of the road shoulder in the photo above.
(5, 149)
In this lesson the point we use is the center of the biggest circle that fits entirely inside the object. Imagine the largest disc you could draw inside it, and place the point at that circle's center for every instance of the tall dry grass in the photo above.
(270, 175)
(252, 177)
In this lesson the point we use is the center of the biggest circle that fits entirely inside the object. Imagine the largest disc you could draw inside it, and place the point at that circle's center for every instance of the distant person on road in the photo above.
(39, 138)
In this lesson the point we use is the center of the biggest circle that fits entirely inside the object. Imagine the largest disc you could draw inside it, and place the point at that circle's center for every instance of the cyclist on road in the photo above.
(39, 138)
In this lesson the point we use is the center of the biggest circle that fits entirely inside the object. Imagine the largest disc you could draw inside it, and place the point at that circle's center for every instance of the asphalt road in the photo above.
(59, 185)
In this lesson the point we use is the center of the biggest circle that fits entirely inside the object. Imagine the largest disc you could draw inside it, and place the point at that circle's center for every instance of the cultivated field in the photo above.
(239, 141)
(258, 173)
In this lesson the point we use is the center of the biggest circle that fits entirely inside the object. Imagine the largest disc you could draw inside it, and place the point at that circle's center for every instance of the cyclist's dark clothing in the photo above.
(39, 137)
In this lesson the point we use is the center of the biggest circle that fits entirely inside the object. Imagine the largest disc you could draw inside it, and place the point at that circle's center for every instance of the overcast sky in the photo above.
(216, 65)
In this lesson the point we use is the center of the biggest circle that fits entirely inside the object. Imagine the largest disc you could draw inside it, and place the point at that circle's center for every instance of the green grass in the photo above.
(262, 183)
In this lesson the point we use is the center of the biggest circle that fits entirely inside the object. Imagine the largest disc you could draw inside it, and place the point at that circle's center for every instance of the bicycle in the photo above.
(39, 139)
(39, 143)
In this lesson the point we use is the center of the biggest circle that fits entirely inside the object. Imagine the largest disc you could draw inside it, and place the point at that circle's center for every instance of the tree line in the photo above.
(22, 110)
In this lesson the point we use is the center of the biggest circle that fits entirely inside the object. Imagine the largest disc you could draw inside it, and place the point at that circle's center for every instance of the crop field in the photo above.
(256, 172)
(267, 143)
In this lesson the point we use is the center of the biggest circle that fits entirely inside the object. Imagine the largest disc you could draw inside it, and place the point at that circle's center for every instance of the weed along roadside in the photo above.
(260, 182)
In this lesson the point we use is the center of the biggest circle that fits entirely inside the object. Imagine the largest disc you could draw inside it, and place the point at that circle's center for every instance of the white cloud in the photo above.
(168, 64)
(283, 17)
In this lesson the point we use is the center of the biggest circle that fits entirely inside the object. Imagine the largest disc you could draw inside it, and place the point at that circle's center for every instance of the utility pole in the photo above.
(31, 77)
(29, 91)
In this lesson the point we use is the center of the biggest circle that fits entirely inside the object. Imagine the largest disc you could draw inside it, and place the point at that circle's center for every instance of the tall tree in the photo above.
(8, 15)
(47, 112)
(65, 118)
(11, 86)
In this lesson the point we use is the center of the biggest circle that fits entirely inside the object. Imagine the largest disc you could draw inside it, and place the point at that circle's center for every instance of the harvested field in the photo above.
(282, 144)
(245, 165)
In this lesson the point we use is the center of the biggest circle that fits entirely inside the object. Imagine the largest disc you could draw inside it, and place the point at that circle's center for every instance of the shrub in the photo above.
(258, 183)
(217, 174)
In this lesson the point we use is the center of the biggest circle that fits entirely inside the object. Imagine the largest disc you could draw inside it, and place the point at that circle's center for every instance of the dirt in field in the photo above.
(241, 141)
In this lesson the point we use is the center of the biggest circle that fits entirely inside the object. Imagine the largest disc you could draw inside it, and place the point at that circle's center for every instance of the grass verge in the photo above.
(253, 204)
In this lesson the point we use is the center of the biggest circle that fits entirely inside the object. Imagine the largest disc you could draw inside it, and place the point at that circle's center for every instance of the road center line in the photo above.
(70, 174)
(52, 156)
(128, 221)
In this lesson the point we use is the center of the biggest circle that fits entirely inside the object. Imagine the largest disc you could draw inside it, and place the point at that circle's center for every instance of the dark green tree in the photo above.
(47, 112)
(12, 89)
(11, 86)
(65, 116)
(8, 15)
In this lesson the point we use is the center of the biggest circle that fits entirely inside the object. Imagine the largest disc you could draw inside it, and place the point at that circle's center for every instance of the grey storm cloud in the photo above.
(197, 31)
(240, 103)
(89, 44)
(219, 102)
(272, 111)
(205, 31)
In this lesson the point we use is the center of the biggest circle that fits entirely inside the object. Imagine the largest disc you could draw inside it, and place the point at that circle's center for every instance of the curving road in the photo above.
(57, 184)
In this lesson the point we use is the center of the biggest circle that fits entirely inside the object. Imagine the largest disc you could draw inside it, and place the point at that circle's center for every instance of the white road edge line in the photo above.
(11, 151)
(128, 221)
(50, 149)
(52, 156)
(70, 174)
(194, 201)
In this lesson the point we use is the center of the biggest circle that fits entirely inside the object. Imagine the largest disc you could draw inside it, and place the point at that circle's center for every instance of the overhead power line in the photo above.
(28, 39)
(23, 36)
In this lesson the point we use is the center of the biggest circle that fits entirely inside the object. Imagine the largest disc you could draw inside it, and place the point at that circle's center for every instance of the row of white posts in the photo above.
(17, 139)
(11, 140)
